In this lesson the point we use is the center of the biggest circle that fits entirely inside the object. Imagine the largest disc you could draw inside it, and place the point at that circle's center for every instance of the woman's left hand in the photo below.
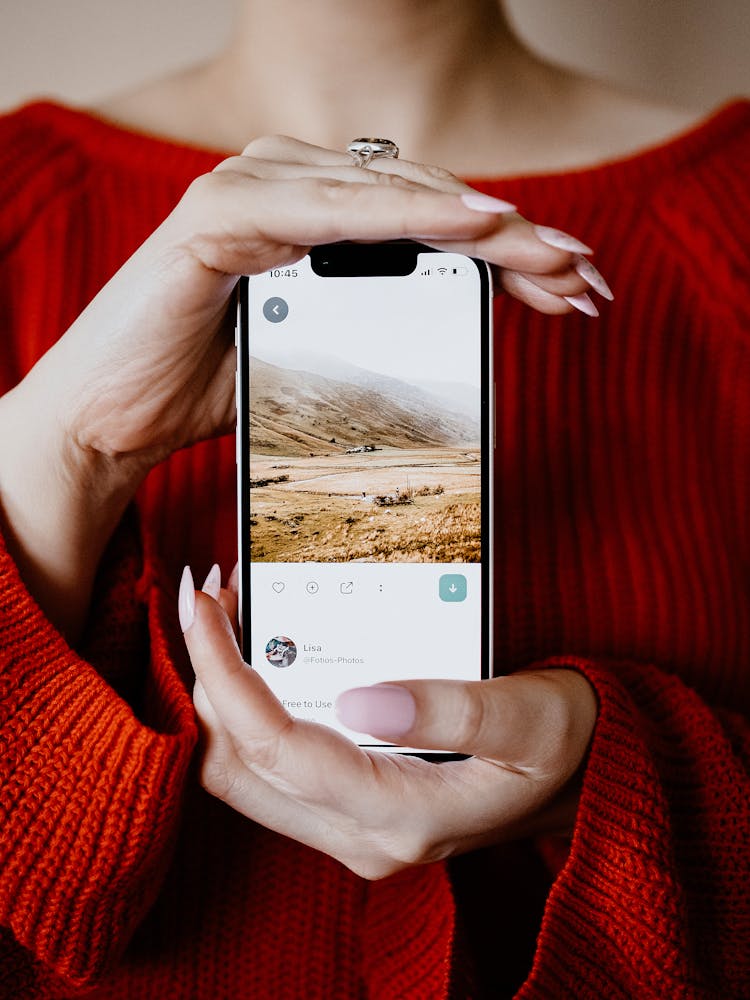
(526, 734)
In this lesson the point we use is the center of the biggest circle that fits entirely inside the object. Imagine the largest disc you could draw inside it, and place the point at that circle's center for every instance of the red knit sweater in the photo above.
(623, 550)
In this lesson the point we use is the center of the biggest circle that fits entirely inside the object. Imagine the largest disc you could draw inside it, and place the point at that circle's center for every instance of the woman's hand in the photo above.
(379, 812)
(148, 367)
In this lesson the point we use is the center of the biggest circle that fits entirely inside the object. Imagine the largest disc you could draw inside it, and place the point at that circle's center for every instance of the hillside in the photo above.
(301, 412)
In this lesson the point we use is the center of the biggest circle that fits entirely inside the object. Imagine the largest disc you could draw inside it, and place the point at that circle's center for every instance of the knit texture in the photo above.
(623, 546)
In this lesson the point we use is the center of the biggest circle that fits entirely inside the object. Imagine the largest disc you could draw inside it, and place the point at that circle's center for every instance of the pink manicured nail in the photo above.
(582, 303)
(384, 710)
(186, 600)
(212, 583)
(561, 241)
(590, 274)
(486, 203)
(233, 583)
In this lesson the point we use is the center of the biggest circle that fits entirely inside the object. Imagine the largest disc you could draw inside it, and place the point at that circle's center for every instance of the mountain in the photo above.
(458, 396)
(297, 412)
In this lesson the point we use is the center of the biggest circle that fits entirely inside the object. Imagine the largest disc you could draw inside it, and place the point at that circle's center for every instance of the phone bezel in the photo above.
(373, 259)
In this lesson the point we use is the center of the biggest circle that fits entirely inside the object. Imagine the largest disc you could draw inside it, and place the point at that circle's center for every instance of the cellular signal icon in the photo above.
(426, 273)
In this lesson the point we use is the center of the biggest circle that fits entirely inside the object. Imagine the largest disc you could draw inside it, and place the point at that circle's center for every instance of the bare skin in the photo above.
(450, 82)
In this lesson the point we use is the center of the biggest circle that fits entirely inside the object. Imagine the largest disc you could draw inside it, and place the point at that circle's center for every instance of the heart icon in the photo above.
(278, 586)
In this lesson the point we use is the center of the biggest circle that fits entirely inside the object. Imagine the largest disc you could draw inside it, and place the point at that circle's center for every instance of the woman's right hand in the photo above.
(148, 367)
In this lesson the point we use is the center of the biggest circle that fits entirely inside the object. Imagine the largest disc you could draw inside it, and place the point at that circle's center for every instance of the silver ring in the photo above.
(363, 151)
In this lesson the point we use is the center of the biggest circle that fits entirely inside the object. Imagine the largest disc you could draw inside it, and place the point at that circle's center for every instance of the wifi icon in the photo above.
(442, 271)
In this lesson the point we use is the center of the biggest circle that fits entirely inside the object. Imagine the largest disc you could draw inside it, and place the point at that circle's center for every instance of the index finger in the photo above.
(287, 150)
(237, 693)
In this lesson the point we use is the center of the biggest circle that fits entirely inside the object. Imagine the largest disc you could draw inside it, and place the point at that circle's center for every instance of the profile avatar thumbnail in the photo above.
(281, 651)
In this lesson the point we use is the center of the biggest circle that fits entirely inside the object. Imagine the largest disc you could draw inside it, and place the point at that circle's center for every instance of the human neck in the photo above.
(330, 70)
(448, 81)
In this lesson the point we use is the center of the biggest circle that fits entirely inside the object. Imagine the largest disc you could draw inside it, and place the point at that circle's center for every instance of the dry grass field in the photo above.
(342, 508)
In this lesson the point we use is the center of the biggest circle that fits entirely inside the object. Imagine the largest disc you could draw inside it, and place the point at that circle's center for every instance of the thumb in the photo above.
(515, 719)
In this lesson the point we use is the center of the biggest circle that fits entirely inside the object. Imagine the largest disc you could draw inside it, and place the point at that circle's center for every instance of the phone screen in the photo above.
(364, 469)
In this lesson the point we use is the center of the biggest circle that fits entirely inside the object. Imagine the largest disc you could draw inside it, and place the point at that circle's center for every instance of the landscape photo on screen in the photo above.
(355, 457)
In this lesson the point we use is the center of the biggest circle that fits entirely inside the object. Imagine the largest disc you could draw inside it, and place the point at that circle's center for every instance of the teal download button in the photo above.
(453, 587)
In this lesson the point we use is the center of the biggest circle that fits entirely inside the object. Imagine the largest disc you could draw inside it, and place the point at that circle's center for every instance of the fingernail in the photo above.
(582, 303)
(486, 203)
(560, 240)
(212, 583)
(233, 583)
(186, 600)
(384, 710)
(590, 274)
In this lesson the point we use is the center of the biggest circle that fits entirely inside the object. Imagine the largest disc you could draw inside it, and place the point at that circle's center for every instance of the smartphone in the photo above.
(364, 453)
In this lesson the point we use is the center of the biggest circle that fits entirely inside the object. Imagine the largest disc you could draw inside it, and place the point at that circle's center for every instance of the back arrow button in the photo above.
(275, 310)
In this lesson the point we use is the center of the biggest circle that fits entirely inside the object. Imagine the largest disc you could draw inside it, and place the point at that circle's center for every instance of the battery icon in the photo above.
(459, 270)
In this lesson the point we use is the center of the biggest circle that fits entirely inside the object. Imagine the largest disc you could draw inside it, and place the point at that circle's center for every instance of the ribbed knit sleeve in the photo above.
(625, 509)
(652, 901)
(90, 785)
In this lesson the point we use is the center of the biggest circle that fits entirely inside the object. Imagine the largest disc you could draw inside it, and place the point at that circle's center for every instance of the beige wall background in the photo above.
(688, 51)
